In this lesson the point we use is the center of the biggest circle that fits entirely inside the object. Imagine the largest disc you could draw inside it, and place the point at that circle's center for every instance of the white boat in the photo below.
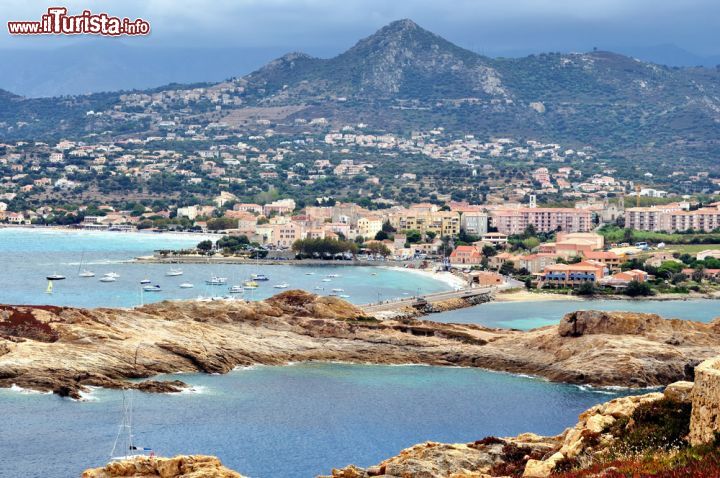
(55, 277)
(174, 272)
(145, 281)
(152, 288)
(124, 438)
(84, 272)
(344, 296)
(107, 279)
(235, 289)
(261, 277)
(327, 280)
(338, 290)
(283, 285)
(186, 285)
(333, 275)
(215, 280)
(112, 274)
(250, 284)
(319, 288)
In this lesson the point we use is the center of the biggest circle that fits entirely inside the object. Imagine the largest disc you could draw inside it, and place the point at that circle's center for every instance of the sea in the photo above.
(293, 421)
(28, 256)
(290, 421)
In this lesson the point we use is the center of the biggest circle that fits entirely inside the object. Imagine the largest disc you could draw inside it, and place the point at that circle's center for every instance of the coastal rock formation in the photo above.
(64, 349)
(705, 419)
(193, 466)
(528, 455)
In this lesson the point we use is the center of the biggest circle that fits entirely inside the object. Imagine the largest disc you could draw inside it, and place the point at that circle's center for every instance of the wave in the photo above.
(27, 391)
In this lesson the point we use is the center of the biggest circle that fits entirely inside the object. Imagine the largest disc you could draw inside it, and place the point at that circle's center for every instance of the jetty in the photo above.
(466, 297)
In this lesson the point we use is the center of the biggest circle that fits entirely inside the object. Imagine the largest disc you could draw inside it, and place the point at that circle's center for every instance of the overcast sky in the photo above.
(327, 27)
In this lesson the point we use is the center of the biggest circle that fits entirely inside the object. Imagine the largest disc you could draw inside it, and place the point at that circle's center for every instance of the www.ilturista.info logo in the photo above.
(57, 22)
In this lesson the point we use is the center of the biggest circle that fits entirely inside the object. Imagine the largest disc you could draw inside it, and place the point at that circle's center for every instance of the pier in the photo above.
(471, 296)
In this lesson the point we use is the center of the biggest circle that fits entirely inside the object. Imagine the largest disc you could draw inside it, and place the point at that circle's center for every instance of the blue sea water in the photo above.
(529, 315)
(293, 421)
(29, 255)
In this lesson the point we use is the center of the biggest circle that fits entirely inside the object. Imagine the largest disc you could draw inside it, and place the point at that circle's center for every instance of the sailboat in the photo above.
(84, 272)
(49, 289)
(124, 438)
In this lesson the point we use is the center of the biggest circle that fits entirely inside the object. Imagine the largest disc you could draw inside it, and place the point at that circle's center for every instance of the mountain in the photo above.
(405, 78)
(401, 60)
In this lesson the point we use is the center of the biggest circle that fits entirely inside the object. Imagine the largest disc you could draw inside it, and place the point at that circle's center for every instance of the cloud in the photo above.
(329, 26)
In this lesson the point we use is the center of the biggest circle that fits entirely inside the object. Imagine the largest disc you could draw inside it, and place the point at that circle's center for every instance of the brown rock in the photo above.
(193, 466)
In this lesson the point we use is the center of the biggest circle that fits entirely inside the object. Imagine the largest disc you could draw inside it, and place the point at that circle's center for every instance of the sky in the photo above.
(327, 27)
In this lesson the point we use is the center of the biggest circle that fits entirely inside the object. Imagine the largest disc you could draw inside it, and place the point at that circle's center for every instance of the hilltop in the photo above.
(404, 78)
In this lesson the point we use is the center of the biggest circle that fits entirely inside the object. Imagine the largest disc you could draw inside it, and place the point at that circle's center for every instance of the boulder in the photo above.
(679, 392)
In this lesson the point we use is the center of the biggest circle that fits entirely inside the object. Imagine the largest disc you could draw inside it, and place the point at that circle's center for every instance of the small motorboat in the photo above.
(215, 280)
(261, 277)
(344, 296)
(373, 273)
(86, 273)
(107, 279)
(250, 284)
(319, 288)
(327, 280)
(113, 274)
(283, 285)
(309, 273)
(338, 290)
(55, 277)
(145, 281)
(333, 275)
(236, 289)
(152, 288)
(186, 285)
(174, 272)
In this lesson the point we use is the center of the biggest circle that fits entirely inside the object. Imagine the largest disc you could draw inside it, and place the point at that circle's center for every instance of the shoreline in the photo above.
(528, 296)
(149, 233)
(448, 278)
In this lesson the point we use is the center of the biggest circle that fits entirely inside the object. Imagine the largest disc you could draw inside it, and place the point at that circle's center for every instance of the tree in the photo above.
(381, 236)
(489, 251)
(413, 236)
(387, 227)
(205, 245)
(586, 288)
(637, 289)
(507, 268)
(222, 223)
(628, 235)
(378, 248)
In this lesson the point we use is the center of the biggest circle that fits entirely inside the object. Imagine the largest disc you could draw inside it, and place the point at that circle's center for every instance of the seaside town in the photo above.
(396, 255)
(583, 239)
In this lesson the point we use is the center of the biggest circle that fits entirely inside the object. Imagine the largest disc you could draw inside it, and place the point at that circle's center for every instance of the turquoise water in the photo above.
(29, 255)
(528, 315)
(295, 421)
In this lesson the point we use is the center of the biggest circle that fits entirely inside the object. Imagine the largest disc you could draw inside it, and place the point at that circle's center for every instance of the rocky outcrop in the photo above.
(64, 349)
(529, 455)
(705, 419)
(193, 466)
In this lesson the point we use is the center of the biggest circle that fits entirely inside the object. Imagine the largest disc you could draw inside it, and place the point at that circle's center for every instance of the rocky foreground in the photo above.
(64, 349)
(194, 466)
